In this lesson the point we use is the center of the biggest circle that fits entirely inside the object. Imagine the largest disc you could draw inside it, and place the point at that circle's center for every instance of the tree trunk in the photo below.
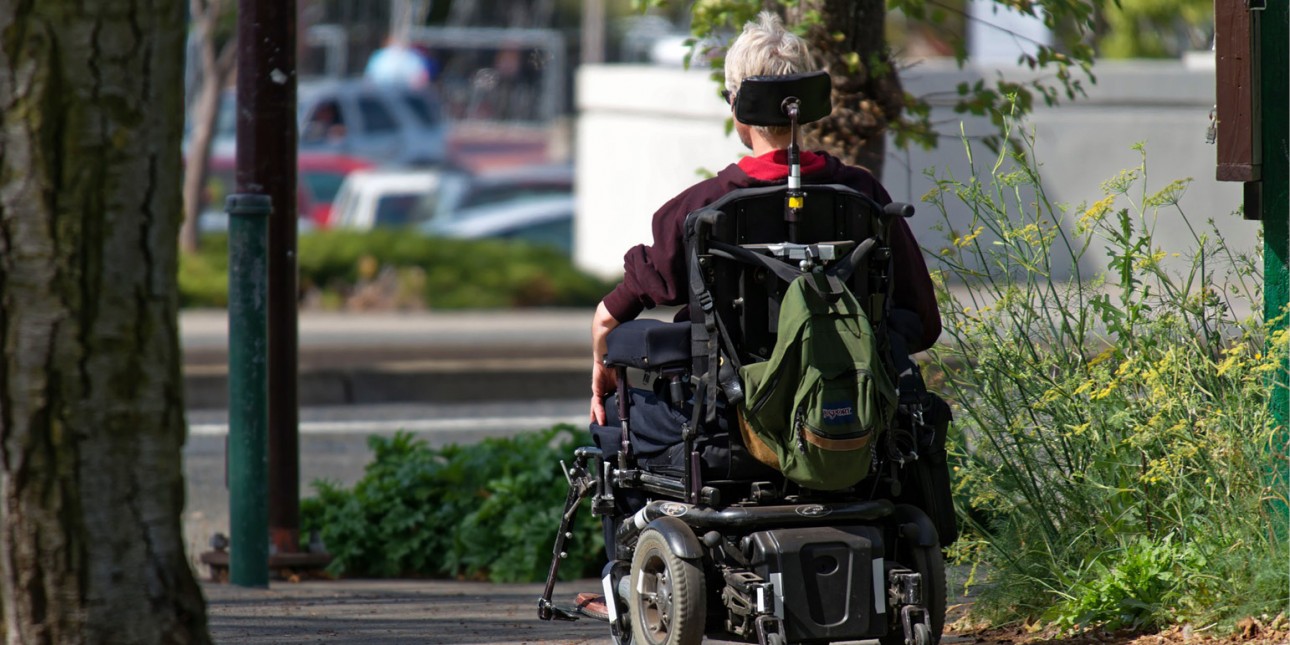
(867, 94)
(91, 401)
(216, 67)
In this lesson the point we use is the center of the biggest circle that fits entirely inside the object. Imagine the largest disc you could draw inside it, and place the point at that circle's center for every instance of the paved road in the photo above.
(207, 329)
(357, 612)
(392, 611)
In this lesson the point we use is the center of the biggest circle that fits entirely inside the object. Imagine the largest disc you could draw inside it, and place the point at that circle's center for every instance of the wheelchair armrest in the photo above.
(649, 344)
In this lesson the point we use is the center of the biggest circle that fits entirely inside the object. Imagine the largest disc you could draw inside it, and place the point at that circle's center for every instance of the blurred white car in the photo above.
(382, 198)
(545, 220)
(461, 193)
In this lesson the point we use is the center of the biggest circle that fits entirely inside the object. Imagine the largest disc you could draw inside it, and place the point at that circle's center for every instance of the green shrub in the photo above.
(1115, 440)
(203, 277)
(459, 274)
(489, 509)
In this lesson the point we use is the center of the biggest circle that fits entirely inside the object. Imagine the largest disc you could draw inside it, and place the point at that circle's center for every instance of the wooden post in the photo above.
(1235, 108)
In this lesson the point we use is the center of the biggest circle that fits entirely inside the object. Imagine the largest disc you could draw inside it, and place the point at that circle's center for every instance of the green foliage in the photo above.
(1058, 71)
(487, 510)
(1157, 28)
(458, 273)
(203, 277)
(1116, 447)
(1132, 587)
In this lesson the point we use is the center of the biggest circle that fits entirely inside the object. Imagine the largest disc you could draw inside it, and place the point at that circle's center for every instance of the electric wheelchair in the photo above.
(705, 538)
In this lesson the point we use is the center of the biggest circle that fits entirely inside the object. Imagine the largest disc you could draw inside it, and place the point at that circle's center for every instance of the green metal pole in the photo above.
(1273, 56)
(248, 410)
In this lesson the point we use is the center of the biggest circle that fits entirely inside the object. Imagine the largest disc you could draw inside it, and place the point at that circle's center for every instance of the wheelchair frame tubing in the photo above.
(580, 486)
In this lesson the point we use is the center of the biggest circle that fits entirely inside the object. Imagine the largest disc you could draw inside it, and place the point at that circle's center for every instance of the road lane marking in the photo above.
(410, 425)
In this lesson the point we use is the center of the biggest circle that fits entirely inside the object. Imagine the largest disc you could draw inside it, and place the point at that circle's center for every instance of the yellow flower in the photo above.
(1232, 361)
(1126, 367)
(969, 238)
(1149, 261)
(1106, 391)
(1106, 353)
(1096, 212)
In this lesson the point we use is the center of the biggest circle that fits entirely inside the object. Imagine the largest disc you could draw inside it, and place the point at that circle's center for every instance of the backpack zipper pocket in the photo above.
(765, 393)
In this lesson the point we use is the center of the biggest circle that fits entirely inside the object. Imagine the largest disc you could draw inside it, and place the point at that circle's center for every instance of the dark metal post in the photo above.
(248, 462)
(266, 163)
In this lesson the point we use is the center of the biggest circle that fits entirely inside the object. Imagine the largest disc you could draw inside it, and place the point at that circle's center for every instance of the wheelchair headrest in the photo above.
(761, 98)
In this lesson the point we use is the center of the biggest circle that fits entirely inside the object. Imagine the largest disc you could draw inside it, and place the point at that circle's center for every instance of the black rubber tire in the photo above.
(668, 595)
(621, 631)
(928, 562)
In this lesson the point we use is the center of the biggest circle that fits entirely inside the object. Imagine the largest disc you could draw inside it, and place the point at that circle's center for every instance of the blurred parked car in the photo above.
(460, 193)
(387, 123)
(545, 220)
(319, 176)
(382, 198)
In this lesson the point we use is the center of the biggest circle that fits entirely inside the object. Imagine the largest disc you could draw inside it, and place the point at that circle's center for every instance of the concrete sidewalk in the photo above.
(394, 611)
(356, 612)
(397, 357)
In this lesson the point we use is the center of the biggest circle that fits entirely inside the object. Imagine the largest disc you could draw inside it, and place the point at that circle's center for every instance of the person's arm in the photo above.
(603, 379)
(915, 290)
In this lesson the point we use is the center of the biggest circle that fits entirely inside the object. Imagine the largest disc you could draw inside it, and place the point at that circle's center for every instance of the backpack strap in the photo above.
(709, 313)
(830, 284)
(783, 271)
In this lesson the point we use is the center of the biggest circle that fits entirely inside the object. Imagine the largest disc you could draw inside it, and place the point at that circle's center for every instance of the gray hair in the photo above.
(766, 48)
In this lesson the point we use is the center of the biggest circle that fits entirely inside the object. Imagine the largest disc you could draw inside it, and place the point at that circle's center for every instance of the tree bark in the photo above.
(867, 94)
(91, 402)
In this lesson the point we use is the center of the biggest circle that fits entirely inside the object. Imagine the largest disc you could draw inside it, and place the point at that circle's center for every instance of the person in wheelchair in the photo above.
(655, 274)
(706, 529)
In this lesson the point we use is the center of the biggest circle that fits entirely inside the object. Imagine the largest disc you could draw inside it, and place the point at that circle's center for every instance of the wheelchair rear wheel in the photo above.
(928, 562)
(667, 596)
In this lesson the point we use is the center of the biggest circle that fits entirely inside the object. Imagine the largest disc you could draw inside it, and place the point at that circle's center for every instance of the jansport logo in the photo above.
(838, 413)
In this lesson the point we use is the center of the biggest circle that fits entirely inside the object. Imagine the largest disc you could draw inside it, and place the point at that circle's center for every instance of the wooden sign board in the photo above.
(1237, 75)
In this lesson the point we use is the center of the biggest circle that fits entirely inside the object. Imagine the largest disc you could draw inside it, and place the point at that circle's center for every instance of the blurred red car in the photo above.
(319, 176)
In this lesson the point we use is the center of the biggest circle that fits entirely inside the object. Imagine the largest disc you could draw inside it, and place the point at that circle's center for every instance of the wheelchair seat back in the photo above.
(745, 298)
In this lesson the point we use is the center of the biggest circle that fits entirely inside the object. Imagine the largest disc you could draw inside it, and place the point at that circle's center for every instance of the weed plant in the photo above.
(488, 510)
(1115, 446)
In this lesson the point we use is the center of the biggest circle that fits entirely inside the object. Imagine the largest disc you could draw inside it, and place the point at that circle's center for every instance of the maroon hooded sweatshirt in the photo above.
(655, 274)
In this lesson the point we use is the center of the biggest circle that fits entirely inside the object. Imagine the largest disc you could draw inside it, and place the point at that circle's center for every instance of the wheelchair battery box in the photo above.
(828, 584)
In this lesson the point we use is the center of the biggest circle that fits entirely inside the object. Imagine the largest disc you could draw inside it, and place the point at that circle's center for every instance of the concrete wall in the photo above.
(644, 134)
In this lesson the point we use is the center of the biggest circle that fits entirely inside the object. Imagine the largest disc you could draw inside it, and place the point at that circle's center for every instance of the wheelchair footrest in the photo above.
(552, 611)
(592, 605)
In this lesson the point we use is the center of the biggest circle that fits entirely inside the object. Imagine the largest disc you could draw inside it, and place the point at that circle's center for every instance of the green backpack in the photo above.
(821, 399)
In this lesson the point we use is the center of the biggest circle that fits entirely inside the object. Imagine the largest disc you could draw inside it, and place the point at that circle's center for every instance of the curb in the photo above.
(421, 381)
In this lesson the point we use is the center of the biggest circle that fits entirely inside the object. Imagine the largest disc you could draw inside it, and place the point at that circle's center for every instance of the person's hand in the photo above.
(604, 381)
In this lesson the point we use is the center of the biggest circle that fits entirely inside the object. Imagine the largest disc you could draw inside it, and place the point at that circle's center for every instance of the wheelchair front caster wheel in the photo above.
(667, 596)
(922, 635)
